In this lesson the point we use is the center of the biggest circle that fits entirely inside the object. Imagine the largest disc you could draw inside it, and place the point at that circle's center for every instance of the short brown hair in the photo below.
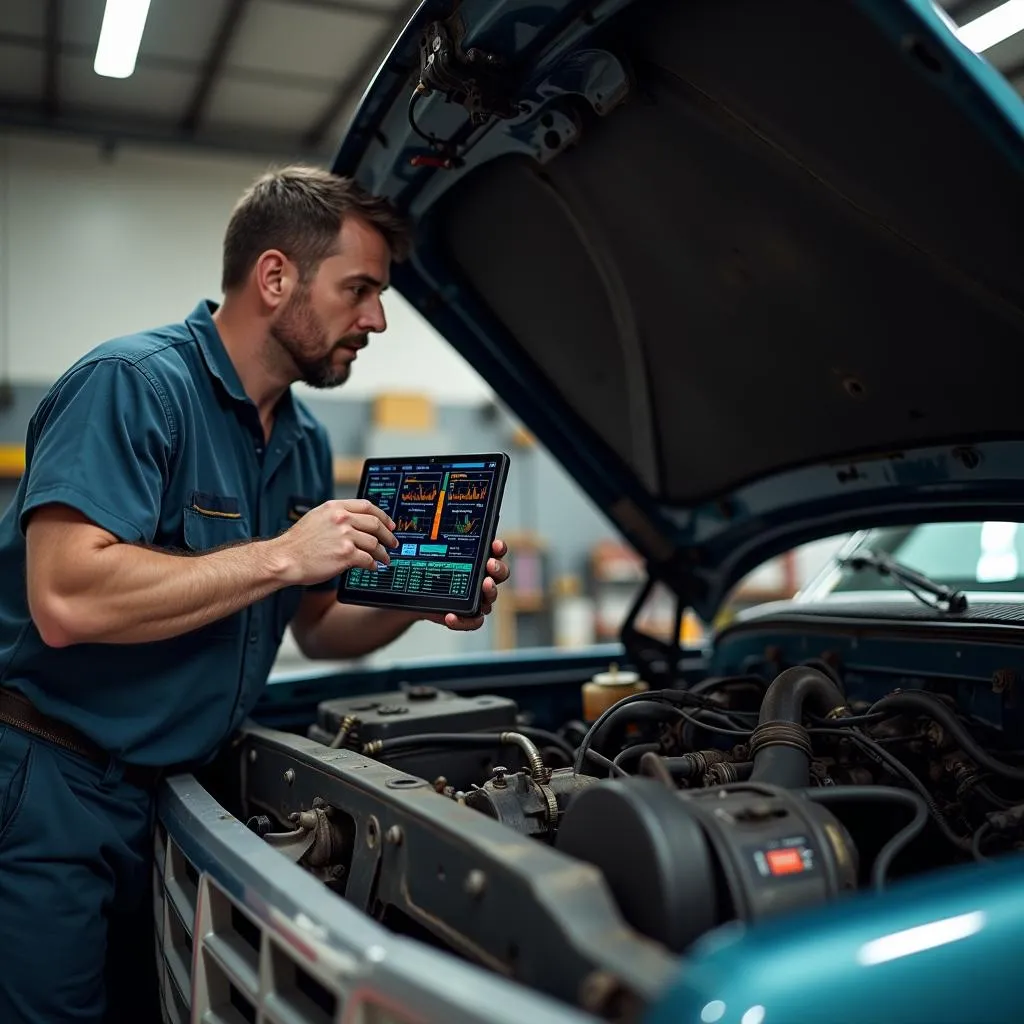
(300, 210)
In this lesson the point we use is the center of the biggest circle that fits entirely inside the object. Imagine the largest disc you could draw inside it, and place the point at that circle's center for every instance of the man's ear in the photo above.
(275, 277)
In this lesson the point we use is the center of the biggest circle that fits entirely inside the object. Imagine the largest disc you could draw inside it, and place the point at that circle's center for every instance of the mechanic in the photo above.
(175, 516)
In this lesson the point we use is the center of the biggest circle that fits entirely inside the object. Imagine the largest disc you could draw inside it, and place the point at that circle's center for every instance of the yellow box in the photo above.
(403, 412)
(12, 460)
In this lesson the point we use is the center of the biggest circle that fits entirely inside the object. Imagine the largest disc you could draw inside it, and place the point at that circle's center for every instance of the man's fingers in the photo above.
(375, 528)
(369, 543)
(499, 549)
(499, 571)
(463, 625)
(362, 507)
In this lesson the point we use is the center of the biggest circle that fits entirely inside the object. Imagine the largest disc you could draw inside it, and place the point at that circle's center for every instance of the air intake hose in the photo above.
(780, 746)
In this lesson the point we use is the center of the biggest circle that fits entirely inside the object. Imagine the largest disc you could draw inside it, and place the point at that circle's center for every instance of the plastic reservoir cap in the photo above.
(615, 677)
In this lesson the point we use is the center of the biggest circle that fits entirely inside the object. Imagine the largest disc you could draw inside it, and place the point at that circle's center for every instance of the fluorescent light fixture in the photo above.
(120, 36)
(999, 24)
(921, 938)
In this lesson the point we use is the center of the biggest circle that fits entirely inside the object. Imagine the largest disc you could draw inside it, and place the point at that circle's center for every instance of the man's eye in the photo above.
(359, 290)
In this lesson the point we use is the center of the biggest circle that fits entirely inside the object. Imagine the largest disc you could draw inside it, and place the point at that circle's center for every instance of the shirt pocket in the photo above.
(214, 521)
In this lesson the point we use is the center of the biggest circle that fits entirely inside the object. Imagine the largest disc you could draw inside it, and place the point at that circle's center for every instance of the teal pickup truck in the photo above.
(754, 273)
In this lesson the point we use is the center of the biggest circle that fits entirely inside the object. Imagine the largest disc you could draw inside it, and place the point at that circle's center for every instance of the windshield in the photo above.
(965, 556)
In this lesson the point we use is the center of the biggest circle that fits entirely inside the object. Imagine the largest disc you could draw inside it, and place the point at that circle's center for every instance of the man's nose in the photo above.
(374, 321)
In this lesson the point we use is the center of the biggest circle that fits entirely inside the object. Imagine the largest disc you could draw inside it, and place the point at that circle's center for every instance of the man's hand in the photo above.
(497, 573)
(326, 628)
(333, 537)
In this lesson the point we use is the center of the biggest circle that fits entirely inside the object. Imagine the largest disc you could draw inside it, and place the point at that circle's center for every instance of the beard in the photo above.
(302, 336)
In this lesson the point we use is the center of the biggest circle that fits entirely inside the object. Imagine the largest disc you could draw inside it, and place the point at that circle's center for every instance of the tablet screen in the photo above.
(445, 511)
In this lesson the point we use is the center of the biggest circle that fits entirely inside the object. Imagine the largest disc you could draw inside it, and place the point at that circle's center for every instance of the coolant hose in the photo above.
(780, 746)
(538, 770)
(535, 762)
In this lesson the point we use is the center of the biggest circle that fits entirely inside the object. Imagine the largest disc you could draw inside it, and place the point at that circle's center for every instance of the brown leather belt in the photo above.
(18, 711)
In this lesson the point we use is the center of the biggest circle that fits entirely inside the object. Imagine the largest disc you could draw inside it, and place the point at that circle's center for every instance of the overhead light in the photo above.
(999, 24)
(120, 36)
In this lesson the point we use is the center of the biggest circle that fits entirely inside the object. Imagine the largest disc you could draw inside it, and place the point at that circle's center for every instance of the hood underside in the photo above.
(738, 264)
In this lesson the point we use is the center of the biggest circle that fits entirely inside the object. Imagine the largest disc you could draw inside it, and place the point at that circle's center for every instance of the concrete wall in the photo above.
(94, 245)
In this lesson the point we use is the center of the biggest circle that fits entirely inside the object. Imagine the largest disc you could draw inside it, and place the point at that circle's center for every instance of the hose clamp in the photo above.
(780, 734)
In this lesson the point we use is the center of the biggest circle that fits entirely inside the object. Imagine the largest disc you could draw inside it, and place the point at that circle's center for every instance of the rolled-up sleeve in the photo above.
(102, 444)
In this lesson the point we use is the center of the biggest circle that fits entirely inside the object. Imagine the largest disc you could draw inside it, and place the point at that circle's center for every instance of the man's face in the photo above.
(328, 320)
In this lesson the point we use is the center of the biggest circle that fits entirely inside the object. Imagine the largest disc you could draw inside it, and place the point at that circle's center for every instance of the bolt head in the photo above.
(394, 835)
(476, 883)
(289, 776)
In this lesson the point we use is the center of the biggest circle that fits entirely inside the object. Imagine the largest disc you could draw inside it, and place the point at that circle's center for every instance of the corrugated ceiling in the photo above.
(277, 77)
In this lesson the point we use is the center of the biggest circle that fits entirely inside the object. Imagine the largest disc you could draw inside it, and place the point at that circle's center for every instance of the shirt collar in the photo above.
(218, 362)
(215, 355)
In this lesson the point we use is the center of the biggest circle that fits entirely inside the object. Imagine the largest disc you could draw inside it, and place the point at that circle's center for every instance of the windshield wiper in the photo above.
(941, 597)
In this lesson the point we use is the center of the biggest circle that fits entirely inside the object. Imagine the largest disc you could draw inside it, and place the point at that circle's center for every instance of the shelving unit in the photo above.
(523, 613)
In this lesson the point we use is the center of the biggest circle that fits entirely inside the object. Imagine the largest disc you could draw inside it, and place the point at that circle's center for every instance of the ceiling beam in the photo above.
(110, 129)
(156, 62)
(51, 66)
(211, 68)
(359, 76)
(367, 7)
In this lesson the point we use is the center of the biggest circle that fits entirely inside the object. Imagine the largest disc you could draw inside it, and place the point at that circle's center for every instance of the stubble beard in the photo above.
(299, 333)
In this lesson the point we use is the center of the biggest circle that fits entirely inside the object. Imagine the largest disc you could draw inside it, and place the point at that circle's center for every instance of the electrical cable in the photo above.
(605, 762)
(881, 756)
(637, 750)
(980, 835)
(931, 707)
(868, 794)
(703, 723)
(633, 698)
(431, 140)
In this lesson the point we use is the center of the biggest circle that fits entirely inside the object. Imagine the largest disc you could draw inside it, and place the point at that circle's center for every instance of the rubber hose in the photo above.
(926, 704)
(649, 710)
(654, 767)
(779, 763)
(465, 739)
(873, 794)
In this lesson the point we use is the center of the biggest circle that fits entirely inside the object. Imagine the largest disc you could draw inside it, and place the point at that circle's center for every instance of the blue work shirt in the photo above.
(153, 438)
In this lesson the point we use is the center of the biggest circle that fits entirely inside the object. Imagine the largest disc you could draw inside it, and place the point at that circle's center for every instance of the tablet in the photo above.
(445, 509)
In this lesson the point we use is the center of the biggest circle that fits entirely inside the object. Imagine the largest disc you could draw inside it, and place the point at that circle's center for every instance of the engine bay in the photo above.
(584, 858)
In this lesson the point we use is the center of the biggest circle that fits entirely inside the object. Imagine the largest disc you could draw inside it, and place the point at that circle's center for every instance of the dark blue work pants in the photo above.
(76, 914)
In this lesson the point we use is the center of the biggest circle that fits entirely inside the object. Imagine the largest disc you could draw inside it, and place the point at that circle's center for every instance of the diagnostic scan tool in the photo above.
(445, 510)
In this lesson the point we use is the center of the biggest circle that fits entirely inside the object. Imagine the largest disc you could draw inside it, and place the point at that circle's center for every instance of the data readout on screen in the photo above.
(439, 510)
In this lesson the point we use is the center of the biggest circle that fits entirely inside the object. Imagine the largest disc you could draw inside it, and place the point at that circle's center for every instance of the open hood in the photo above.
(754, 272)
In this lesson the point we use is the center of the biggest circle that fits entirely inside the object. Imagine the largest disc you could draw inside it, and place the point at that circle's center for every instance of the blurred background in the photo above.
(128, 130)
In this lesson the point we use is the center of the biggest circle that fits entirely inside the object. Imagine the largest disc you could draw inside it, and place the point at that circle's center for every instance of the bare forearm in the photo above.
(126, 594)
(346, 631)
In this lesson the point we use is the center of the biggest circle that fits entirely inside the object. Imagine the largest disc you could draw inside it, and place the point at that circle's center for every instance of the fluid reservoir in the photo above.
(607, 688)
